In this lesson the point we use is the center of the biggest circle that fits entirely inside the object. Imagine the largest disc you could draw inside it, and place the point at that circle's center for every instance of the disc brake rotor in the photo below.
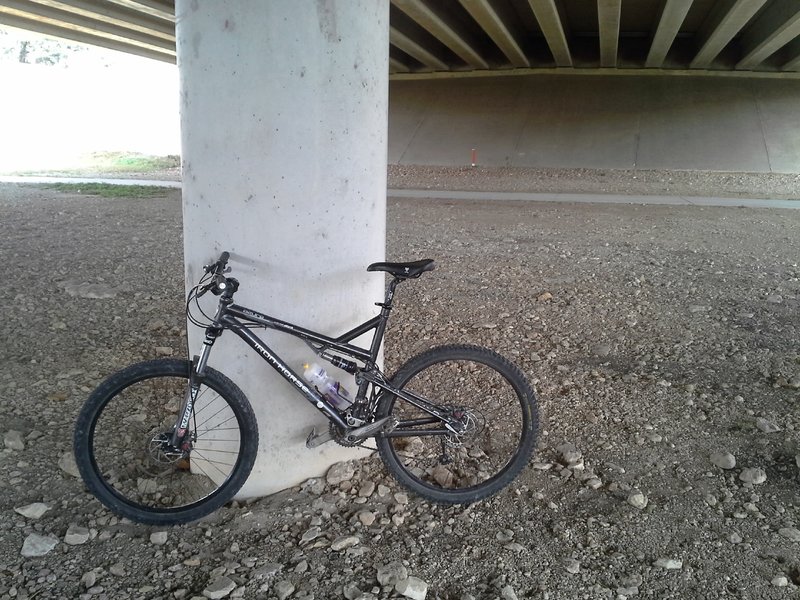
(472, 423)
(160, 456)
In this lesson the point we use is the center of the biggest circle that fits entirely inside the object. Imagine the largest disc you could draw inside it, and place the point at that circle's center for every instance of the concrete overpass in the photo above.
(432, 37)
(449, 61)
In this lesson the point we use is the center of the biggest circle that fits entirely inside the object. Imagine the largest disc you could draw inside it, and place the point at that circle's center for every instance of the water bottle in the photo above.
(327, 386)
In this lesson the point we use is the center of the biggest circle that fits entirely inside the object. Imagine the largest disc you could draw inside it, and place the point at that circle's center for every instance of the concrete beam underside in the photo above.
(779, 25)
(669, 25)
(608, 16)
(415, 50)
(87, 35)
(793, 50)
(121, 26)
(723, 23)
(436, 26)
(551, 22)
(486, 16)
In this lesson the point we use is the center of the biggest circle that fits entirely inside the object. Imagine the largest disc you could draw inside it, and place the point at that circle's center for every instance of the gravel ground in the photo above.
(662, 341)
(778, 186)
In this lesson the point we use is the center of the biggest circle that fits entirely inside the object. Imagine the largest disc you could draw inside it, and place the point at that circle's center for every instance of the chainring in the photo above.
(339, 437)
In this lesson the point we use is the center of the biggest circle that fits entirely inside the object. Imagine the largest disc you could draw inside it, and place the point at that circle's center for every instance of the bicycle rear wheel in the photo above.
(491, 399)
(122, 450)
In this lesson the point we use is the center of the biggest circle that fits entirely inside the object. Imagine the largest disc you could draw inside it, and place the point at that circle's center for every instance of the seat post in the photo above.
(387, 304)
(380, 329)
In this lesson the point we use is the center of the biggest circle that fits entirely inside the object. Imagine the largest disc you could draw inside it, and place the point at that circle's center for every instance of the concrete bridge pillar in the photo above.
(284, 121)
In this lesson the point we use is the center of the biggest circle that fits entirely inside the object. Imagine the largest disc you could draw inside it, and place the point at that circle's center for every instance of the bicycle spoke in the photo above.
(214, 415)
(133, 460)
(212, 463)
(486, 416)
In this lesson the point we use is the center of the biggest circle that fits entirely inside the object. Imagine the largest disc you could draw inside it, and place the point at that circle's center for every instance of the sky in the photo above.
(92, 100)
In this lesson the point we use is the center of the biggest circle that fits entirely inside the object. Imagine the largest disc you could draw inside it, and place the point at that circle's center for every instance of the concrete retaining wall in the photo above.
(645, 122)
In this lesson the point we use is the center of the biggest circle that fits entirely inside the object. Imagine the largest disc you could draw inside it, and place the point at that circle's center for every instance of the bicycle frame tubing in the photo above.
(232, 316)
(234, 312)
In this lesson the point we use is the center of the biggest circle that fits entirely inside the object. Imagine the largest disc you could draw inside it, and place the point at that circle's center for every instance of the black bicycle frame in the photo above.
(236, 318)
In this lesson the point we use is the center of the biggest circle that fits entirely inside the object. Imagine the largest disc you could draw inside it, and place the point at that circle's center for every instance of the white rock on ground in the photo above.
(342, 471)
(76, 535)
(158, 538)
(68, 464)
(33, 511)
(572, 566)
(508, 593)
(89, 579)
(344, 542)
(351, 591)
(283, 589)
(38, 545)
(766, 425)
(568, 453)
(669, 563)
(724, 460)
(637, 499)
(391, 573)
(310, 534)
(13, 440)
(412, 587)
(753, 475)
(790, 533)
(367, 517)
(219, 588)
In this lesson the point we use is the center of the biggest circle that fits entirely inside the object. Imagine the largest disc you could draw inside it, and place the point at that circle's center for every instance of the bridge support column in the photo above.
(284, 120)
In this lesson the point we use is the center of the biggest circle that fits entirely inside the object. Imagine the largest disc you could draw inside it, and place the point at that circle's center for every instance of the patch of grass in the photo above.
(108, 190)
(109, 163)
(127, 162)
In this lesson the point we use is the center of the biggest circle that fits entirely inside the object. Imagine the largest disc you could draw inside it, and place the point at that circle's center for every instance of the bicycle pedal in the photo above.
(315, 439)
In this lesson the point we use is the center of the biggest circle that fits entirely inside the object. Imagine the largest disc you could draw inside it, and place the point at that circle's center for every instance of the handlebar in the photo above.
(218, 267)
(219, 283)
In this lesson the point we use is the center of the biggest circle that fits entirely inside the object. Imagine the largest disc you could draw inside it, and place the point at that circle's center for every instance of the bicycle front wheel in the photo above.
(495, 406)
(122, 448)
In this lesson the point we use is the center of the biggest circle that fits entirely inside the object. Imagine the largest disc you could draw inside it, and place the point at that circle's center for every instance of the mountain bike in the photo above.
(169, 441)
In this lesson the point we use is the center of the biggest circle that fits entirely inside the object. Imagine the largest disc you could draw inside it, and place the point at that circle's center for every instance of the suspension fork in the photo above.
(196, 373)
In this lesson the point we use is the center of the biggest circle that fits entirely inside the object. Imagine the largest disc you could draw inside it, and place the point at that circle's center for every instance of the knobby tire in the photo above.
(117, 440)
(501, 409)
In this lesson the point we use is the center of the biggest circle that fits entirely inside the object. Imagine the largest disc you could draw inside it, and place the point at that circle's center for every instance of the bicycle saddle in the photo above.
(406, 270)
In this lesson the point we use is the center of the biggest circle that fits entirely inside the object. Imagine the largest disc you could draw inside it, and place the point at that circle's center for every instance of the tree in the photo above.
(23, 51)
(27, 48)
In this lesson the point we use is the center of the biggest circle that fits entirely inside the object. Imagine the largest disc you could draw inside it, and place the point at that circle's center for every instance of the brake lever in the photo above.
(214, 267)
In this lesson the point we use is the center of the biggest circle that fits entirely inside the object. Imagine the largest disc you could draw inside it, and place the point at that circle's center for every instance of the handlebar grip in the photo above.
(223, 258)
